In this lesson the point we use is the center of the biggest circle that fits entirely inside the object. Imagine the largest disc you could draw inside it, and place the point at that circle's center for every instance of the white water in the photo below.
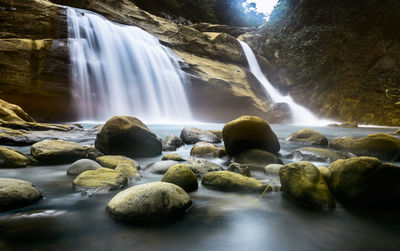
(123, 70)
(301, 115)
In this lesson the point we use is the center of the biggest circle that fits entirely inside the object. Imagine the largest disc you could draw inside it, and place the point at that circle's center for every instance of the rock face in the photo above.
(257, 159)
(207, 150)
(232, 182)
(319, 154)
(181, 176)
(82, 165)
(13, 113)
(112, 161)
(303, 182)
(10, 158)
(308, 136)
(202, 166)
(127, 136)
(171, 143)
(192, 135)
(249, 132)
(58, 151)
(100, 178)
(380, 145)
(366, 181)
(17, 193)
(151, 201)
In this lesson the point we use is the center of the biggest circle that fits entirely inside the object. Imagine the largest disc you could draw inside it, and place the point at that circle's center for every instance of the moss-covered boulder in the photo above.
(207, 150)
(257, 159)
(112, 161)
(182, 176)
(171, 143)
(303, 182)
(366, 181)
(308, 136)
(326, 173)
(192, 135)
(17, 193)
(10, 158)
(151, 201)
(239, 168)
(172, 156)
(379, 145)
(232, 182)
(249, 132)
(100, 178)
(128, 136)
(128, 171)
(202, 166)
(82, 165)
(319, 154)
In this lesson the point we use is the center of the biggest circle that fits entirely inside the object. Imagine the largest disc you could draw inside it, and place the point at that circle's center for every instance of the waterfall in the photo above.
(300, 114)
(123, 70)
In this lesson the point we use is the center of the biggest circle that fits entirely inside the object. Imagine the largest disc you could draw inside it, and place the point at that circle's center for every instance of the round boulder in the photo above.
(171, 143)
(17, 193)
(112, 161)
(161, 167)
(207, 150)
(202, 166)
(257, 159)
(249, 132)
(128, 136)
(10, 158)
(151, 201)
(58, 151)
(192, 135)
(82, 165)
(181, 176)
(100, 178)
(308, 136)
(232, 182)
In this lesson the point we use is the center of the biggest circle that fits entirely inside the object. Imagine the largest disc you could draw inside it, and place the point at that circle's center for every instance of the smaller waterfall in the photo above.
(123, 70)
(300, 114)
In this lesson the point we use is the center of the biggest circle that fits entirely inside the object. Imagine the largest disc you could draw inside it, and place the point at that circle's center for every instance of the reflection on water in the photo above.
(67, 219)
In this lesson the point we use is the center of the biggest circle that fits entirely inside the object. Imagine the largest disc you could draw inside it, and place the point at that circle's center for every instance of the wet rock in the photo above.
(182, 176)
(308, 136)
(240, 169)
(318, 154)
(128, 171)
(173, 156)
(92, 153)
(207, 150)
(202, 166)
(13, 113)
(279, 113)
(82, 165)
(13, 137)
(380, 145)
(128, 136)
(217, 133)
(249, 132)
(171, 143)
(192, 135)
(161, 167)
(100, 178)
(10, 158)
(17, 193)
(151, 201)
(326, 173)
(232, 182)
(366, 181)
(303, 182)
(112, 161)
(272, 168)
(257, 159)
(397, 132)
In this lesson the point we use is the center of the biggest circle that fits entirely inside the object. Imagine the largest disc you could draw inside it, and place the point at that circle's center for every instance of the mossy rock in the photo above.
(308, 136)
(232, 182)
(112, 161)
(172, 156)
(182, 176)
(100, 178)
(16, 193)
(192, 135)
(207, 150)
(10, 158)
(58, 151)
(257, 159)
(319, 154)
(128, 171)
(202, 166)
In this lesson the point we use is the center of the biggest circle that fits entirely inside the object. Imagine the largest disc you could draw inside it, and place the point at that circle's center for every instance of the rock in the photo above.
(173, 156)
(217, 133)
(240, 169)
(207, 150)
(128, 136)
(192, 135)
(308, 136)
(397, 132)
(272, 168)
(17, 193)
(279, 113)
(100, 178)
(303, 182)
(10, 158)
(318, 154)
(257, 159)
(380, 145)
(13, 113)
(232, 182)
(171, 143)
(82, 165)
(366, 181)
(349, 125)
(181, 176)
(151, 201)
(112, 161)
(92, 153)
(128, 170)
(249, 132)
(161, 167)
(326, 173)
(58, 151)
(202, 166)
(13, 137)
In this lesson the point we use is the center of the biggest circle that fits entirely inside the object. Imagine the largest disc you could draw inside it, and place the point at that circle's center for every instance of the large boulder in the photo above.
(202, 166)
(318, 154)
(171, 143)
(10, 158)
(303, 182)
(366, 181)
(151, 201)
(379, 145)
(128, 136)
(232, 182)
(192, 135)
(161, 167)
(308, 136)
(257, 159)
(17, 193)
(207, 150)
(13, 113)
(100, 178)
(249, 132)
(181, 176)
(82, 165)
(112, 161)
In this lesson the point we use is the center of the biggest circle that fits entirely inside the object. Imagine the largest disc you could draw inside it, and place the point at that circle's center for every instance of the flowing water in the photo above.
(68, 219)
(123, 70)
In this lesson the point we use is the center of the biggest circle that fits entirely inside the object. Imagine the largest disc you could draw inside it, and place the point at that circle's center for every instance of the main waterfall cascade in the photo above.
(300, 114)
(123, 70)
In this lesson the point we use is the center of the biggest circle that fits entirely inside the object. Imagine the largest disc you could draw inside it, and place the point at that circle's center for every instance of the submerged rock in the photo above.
(112, 161)
(100, 178)
(257, 159)
(240, 169)
(151, 201)
(202, 166)
(249, 132)
(192, 135)
(10, 158)
(17, 193)
(171, 143)
(232, 182)
(82, 165)
(318, 154)
(308, 136)
(128, 136)
(303, 182)
(173, 156)
(161, 167)
(182, 176)
(207, 150)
